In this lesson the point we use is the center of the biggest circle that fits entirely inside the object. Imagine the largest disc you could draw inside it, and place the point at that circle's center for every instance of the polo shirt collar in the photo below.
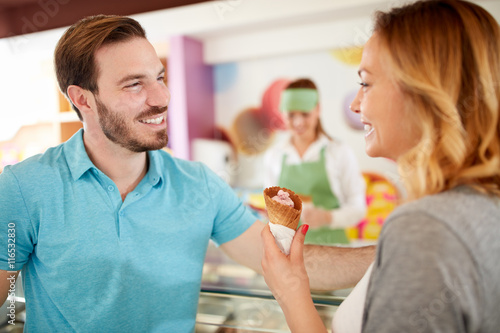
(76, 156)
(79, 162)
(154, 174)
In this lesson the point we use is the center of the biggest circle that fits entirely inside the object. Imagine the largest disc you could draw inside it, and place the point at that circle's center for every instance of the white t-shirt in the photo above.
(349, 316)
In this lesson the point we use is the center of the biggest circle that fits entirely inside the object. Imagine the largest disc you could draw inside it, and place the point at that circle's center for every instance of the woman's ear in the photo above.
(81, 98)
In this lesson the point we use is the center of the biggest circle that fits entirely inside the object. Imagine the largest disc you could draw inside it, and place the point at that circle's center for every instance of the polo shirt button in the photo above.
(121, 213)
(111, 188)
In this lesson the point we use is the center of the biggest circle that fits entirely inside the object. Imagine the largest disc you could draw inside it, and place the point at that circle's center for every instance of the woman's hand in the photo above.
(287, 278)
(316, 217)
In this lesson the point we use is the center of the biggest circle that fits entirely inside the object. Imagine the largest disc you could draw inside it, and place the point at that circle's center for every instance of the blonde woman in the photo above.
(430, 99)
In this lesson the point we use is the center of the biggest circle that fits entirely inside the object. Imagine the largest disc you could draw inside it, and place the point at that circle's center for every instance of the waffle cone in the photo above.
(283, 214)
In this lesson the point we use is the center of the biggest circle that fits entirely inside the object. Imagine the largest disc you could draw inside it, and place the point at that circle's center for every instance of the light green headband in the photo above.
(298, 99)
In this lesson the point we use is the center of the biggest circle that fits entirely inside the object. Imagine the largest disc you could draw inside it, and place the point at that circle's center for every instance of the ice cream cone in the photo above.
(282, 214)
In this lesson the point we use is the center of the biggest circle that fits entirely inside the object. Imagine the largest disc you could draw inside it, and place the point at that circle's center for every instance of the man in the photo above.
(110, 231)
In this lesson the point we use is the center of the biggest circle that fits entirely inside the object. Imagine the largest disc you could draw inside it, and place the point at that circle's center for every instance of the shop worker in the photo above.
(324, 171)
(109, 230)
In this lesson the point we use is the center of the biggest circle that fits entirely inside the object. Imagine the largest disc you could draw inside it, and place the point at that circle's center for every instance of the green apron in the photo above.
(310, 178)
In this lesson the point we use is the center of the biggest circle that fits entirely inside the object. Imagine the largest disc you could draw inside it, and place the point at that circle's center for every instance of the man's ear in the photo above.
(81, 98)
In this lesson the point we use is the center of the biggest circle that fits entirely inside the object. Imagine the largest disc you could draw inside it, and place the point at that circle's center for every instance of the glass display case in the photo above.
(236, 299)
(220, 312)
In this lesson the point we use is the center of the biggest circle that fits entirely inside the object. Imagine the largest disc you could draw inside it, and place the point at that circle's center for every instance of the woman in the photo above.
(430, 99)
(315, 166)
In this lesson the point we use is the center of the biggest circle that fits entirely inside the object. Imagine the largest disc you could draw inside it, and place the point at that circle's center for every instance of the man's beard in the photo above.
(116, 130)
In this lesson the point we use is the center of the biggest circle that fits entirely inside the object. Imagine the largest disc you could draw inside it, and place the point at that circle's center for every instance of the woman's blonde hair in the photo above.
(446, 55)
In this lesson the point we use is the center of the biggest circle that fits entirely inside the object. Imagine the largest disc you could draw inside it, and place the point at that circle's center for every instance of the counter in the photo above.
(236, 299)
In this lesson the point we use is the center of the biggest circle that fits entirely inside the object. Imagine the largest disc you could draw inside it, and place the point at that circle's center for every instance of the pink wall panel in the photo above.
(191, 109)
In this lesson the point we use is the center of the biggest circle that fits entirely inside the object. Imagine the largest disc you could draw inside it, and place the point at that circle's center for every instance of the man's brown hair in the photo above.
(74, 54)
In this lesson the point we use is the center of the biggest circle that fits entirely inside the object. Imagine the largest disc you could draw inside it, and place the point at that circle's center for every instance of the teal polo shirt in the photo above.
(92, 263)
